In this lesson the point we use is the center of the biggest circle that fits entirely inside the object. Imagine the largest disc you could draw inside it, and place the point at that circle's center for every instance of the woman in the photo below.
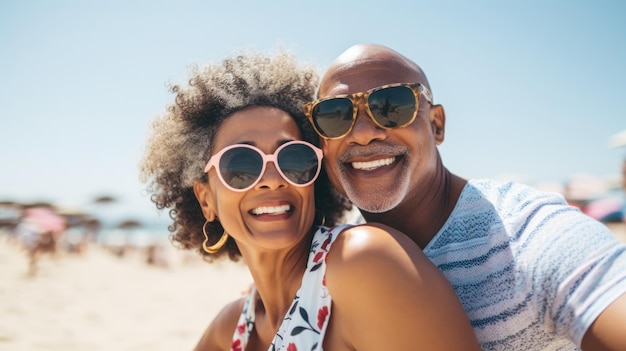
(236, 162)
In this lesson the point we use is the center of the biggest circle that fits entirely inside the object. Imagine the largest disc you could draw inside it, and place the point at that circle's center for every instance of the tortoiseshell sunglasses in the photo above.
(389, 106)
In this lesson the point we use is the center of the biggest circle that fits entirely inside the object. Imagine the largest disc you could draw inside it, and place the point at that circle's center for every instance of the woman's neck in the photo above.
(277, 277)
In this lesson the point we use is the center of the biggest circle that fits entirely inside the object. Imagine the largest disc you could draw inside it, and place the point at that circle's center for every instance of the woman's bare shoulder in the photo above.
(218, 335)
(387, 294)
(371, 241)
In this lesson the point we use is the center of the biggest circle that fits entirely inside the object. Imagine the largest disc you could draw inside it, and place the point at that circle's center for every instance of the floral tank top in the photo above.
(304, 326)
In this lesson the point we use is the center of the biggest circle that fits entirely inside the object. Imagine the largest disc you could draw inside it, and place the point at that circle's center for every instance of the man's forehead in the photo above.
(362, 75)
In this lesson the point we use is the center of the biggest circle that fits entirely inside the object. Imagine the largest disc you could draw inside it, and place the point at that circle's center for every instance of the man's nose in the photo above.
(365, 130)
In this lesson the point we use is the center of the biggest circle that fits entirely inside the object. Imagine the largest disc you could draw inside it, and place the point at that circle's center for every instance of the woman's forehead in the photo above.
(257, 126)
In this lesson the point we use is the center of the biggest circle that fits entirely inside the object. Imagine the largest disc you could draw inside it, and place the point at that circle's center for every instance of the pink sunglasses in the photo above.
(241, 166)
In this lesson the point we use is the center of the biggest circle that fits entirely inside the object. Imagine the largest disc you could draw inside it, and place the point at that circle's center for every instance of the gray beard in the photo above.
(375, 202)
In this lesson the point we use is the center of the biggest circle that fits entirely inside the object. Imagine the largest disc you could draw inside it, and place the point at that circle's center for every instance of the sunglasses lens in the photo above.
(240, 167)
(299, 163)
(393, 107)
(333, 117)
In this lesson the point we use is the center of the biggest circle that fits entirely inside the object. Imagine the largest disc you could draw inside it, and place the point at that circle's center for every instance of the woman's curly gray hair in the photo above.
(180, 140)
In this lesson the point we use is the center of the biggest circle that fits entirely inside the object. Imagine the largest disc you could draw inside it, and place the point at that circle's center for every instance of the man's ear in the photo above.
(205, 198)
(438, 123)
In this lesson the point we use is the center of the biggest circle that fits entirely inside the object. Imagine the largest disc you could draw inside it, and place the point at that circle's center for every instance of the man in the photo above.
(532, 273)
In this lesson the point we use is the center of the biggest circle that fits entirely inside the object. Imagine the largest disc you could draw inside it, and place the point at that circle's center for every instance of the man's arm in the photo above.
(608, 331)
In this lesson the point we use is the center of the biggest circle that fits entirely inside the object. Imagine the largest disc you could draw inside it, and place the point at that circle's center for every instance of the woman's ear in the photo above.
(205, 198)
(438, 123)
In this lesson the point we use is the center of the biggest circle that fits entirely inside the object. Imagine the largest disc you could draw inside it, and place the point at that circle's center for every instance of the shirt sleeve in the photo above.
(576, 265)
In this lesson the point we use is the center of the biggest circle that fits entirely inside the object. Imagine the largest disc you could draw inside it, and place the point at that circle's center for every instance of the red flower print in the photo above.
(324, 281)
(241, 328)
(325, 244)
(321, 316)
(236, 346)
(318, 257)
(292, 347)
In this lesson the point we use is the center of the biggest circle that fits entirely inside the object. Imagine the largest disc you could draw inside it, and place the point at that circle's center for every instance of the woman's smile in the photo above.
(273, 210)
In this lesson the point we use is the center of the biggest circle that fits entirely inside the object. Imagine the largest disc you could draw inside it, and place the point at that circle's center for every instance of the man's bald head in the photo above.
(362, 58)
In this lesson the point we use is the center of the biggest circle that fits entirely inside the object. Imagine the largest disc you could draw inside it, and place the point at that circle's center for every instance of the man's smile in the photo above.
(372, 165)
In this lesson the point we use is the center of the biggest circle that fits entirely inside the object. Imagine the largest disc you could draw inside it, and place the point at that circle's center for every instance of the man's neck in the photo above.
(420, 216)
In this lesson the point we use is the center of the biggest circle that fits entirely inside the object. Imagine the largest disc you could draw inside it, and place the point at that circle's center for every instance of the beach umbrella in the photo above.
(129, 224)
(105, 199)
(45, 219)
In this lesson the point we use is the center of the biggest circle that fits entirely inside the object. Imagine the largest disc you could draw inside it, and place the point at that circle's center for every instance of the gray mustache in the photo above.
(374, 148)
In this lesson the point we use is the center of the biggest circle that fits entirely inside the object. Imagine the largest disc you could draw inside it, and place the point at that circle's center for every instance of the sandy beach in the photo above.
(98, 301)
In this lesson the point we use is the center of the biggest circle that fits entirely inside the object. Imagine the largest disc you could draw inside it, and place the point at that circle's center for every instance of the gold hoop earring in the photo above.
(215, 247)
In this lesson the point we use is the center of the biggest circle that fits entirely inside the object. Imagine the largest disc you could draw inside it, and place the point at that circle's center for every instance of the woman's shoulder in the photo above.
(385, 292)
(372, 240)
(219, 334)
(372, 250)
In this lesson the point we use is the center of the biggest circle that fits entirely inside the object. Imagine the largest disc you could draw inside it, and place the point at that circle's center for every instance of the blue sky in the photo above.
(533, 90)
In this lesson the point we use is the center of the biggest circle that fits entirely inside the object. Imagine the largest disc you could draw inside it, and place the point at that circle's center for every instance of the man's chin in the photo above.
(373, 202)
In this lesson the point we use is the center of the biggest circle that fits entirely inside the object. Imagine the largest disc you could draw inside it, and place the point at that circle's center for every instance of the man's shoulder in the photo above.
(498, 188)
(489, 209)
(509, 196)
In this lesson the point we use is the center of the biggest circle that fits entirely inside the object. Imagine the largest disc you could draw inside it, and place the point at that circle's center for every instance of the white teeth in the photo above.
(371, 165)
(271, 210)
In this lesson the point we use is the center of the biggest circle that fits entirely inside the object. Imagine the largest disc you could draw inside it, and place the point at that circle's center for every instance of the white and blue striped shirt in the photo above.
(532, 272)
